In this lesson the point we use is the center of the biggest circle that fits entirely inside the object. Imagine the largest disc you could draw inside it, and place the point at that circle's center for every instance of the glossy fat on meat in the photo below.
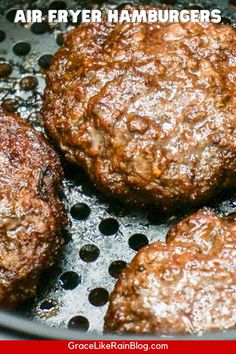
(187, 285)
(31, 213)
(147, 109)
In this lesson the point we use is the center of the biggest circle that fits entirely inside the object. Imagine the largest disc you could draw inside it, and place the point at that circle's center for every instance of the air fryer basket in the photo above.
(102, 235)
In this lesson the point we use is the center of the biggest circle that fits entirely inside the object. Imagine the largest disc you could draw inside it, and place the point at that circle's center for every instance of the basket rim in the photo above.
(33, 330)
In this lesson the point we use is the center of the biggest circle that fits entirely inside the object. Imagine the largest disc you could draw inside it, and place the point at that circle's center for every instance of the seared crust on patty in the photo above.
(185, 286)
(31, 213)
(149, 110)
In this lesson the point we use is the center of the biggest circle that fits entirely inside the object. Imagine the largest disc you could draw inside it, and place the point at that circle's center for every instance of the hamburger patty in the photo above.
(149, 110)
(31, 214)
(185, 286)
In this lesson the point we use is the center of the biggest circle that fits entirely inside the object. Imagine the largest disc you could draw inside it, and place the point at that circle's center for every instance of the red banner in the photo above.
(115, 346)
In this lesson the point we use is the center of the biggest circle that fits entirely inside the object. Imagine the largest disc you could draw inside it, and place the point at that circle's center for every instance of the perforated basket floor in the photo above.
(102, 235)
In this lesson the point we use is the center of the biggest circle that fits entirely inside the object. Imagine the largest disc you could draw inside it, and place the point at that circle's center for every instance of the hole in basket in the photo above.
(109, 226)
(45, 61)
(225, 20)
(10, 16)
(75, 174)
(116, 267)
(79, 322)
(116, 207)
(98, 297)
(2, 35)
(28, 83)
(80, 211)
(5, 70)
(138, 241)
(67, 237)
(10, 104)
(40, 27)
(88, 189)
(60, 39)
(168, 2)
(21, 48)
(155, 216)
(34, 118)
(69, 280)
(89, 253)
(57, 5)
(195, 7)
(48, 305)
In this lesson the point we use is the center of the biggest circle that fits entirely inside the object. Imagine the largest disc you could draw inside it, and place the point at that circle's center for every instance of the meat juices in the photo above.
(185, 286)
(147, 109)
(31, 213)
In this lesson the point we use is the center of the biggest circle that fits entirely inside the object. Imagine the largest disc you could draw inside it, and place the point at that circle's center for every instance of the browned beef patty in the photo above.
(185, 286)
(149, 110)
(31, 214)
